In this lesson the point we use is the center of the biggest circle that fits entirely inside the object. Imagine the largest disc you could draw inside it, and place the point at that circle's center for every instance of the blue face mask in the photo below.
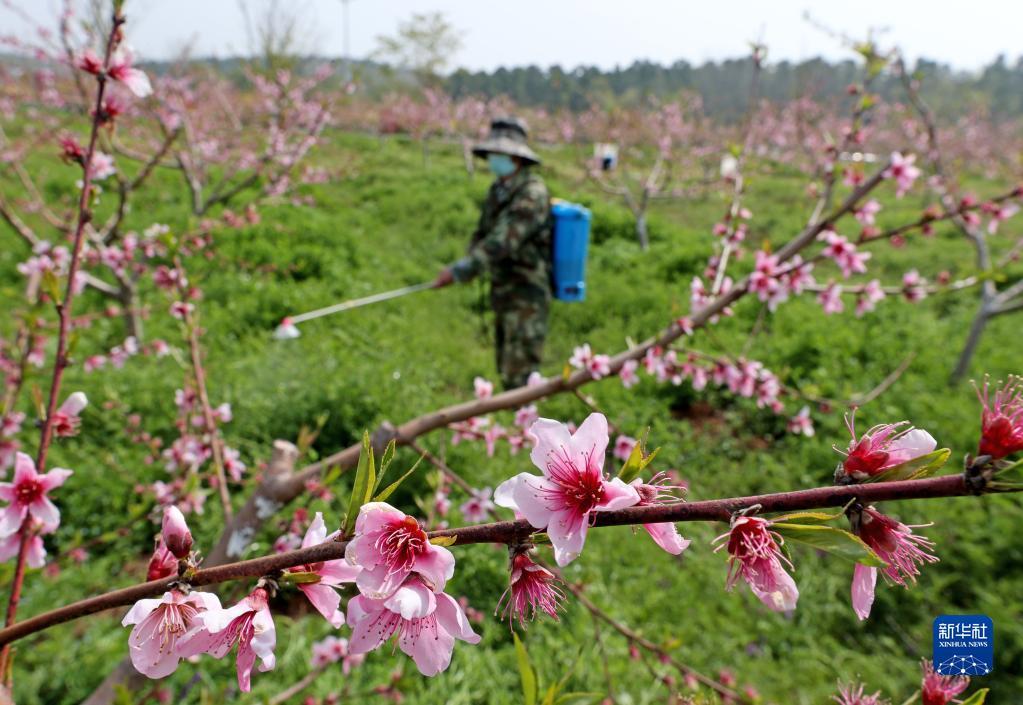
(500, 164)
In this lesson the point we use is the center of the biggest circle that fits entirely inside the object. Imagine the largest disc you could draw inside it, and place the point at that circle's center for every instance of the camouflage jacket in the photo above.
(512, 242)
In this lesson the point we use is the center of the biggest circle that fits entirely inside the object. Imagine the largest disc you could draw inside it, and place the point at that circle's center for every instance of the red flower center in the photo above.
(400, 546)
(861, 460)
(1000, 438)
(28, 491)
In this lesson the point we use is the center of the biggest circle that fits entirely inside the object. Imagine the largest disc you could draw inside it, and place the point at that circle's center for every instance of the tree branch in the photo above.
(513, 532)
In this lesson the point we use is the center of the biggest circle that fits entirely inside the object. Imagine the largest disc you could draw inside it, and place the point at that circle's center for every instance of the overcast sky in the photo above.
(602, 32)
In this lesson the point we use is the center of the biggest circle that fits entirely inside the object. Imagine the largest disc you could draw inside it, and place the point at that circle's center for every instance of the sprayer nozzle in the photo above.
(286, 330)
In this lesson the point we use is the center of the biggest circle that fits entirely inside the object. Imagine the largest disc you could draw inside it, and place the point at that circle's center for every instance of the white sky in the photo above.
(601, 32)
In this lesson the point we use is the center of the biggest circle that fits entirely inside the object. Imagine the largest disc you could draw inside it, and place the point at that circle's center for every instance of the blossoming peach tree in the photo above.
(390, 565)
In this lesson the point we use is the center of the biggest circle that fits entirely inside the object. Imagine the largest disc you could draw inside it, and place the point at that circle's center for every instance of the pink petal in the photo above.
(11, 518)
(413, 600)
(243, 666)
(912, 445)
(592, 437)
(74, 404)
(567, 530)
(368, 631)
(361, 551)
(667, 537)
(46, 512)
(35, 553)
(451, 617)
(551, 436)
(785, 594)
(526, 494)
(618, 495)
(429, 648)
(317, 532)
(24, 468)
(198, 640)
(437, 566)
(375, 516)
(863, 583)
(326, 601)
(337, 572)
(141, 609)
(379, 582)
(137, 82)
(54, 478)
(6, 491)
(265, 639)
(150, 654)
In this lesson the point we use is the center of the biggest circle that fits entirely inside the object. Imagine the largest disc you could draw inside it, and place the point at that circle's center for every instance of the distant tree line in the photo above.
(998, 87)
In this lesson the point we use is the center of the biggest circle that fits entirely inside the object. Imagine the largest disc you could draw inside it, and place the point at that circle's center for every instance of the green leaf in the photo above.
(389, 490)
(385, 462)
(300, 577)
(977, 698)
(637, 460)
(51, 285)
(443, 540)
(808, 517)
(827, 538)
(362, 487)
(914, 469)
(526, 672)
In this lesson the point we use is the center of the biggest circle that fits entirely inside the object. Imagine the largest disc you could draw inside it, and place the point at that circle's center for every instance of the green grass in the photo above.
(389, 223)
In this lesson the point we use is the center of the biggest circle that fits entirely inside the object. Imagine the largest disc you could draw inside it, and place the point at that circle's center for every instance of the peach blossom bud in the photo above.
(175, 532)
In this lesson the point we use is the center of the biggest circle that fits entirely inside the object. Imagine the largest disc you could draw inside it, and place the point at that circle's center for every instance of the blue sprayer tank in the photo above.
(571, 242)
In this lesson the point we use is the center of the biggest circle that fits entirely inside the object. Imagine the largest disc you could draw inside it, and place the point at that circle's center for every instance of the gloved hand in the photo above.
(443, 279)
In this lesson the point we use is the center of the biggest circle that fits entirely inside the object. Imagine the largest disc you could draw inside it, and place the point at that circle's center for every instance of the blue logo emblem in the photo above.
(964, 645)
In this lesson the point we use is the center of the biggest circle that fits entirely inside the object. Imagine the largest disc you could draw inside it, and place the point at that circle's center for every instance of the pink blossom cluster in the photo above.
(573, 486)
(120, 354)
(749, 379)
(29, 511)
(583, 358)
(401, 581)
(773, 282)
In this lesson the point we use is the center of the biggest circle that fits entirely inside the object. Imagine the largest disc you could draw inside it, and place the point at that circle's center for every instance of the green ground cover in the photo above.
(386, 222)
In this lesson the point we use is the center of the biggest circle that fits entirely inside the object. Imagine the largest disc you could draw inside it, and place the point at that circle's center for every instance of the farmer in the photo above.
(512, 244)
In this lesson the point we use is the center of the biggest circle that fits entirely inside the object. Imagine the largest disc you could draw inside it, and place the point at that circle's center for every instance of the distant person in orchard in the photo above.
(512, 245)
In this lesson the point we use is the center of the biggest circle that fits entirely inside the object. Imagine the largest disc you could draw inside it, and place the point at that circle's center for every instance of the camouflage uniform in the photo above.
(512, 244)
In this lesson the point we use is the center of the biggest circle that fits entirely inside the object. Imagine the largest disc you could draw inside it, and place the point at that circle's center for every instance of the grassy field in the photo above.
(387, 221)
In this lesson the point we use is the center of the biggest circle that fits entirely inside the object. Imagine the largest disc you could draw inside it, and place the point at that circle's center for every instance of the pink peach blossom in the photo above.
(66, 419)
(484, 388)
(897, 545)
(627, 373)
(248, 624)
(159, 625)
(531, 588)
(427, 624)
(35, 552)
(332, 574)
(478, 507)
(175, 533)
(572, 486)
(27, 495)
(163, 563)
(801, 423)
(936, 689)
(389, 546)
(1002, 419)
(904, 171)
(660, 490)
(756, 557)
(623, 447)
(121, 69)
(883, 446)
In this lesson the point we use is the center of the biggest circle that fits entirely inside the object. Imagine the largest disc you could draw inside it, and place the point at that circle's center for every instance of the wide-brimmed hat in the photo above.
(507, 136)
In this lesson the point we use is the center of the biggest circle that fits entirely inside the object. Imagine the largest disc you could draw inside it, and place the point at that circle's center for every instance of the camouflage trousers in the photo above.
(520, 331)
